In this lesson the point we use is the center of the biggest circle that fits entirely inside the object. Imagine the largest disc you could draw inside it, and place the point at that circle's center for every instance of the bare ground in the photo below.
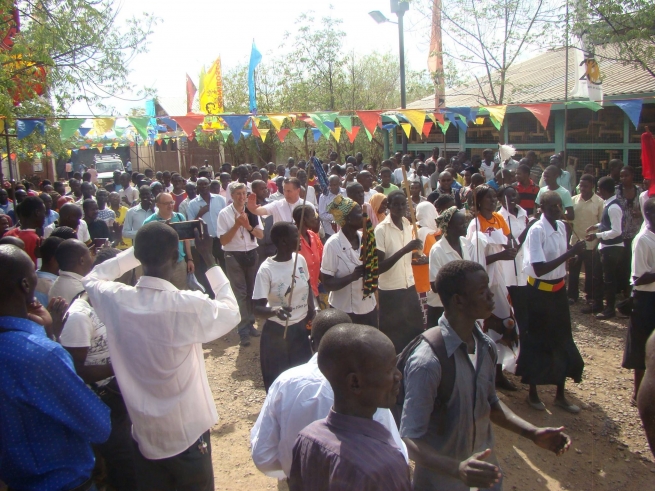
(609, 450)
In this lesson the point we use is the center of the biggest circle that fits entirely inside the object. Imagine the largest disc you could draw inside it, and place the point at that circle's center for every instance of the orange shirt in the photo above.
(313, 254)
(497, 221)
(422, 271)
(30, 238)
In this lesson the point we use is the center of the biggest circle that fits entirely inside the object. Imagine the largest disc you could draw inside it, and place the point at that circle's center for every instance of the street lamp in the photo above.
(398, 7)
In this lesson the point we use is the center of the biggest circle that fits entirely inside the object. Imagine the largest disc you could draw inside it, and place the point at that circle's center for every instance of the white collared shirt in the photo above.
(242, 240)
(616, 215)
(131, 193)
(67, 285)
(643, 258)
(298, 397)
(441, 254)
(82, 231)
(282, 210)
(339, 260)
(544, 244)
(513, 272)
(324, 200)
(155, 334)
(390, 239)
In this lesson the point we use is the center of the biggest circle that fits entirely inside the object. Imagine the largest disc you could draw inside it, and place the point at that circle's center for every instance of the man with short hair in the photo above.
(48, 417)
(386, 178)
(349, 449)
(70, 215)
(324, 200)
(98, 229)
(31, 213)
(75, 189)
(178, 191)
(75, 262)
(51, 216)
(120, 212)
(105, 213)
(551, 174)
(190, 190)
(157, 355)
(6, 205)
(365, 178)
(266, 247)
(311, 192)
(166, 182)
(279, 193)
(88, 192)
(452, 445)
(165, 213)
(136, 215)
(281, 210)
(193, 173)
(526, 189)
(488, 166)
(445, 188)
(405, 162)
(49, 270)
(290, 163)
(128, 194)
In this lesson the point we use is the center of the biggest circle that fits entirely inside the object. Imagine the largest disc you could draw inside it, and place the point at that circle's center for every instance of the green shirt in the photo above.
(392, 187)
(567, 202)
(177, 217)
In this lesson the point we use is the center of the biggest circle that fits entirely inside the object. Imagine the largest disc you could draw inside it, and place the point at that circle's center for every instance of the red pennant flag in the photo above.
(189, 123)
(369, 119)
(191, 137)
(440, 117)
(353, 134)
(540, 111)
(282, 134)
(427, 127)
(190, 94)
(255, 131)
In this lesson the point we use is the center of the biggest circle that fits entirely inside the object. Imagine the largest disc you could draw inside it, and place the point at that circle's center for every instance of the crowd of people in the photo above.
(391, 302)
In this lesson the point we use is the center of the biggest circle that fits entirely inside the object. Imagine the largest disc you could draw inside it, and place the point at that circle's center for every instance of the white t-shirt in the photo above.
(544, 244)
(487, 170)
(83, 329)
(273, 283)
(82, 231)
(282, 210)
(242, 240)
(643, 258)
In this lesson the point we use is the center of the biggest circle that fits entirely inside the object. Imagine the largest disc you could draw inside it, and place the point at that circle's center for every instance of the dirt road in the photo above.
(609, 450)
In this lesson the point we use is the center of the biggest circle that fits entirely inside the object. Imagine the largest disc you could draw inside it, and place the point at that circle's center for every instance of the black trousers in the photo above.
(585, 259)
(368, 319)
(278, 354)
(625, 268)
(606, 268)
(191, 470)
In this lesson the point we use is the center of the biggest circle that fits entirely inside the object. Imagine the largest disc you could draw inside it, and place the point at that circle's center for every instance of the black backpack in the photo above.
(434, 338)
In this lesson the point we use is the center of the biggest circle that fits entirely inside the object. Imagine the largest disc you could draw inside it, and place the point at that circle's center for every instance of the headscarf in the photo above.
(443, 220)
(375, 202)
(339, 209)
(426, 215)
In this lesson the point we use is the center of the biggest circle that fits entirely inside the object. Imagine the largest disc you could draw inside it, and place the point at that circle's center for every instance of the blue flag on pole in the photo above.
(255, 59)
(320, 174)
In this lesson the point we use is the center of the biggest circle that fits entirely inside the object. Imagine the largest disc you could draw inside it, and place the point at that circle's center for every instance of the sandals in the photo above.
(567, 406)
(539, 406)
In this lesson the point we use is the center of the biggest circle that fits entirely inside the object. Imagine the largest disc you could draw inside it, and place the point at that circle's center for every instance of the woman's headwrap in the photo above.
(443, 220)
(339, 209)
(426, 214)
(375, 202)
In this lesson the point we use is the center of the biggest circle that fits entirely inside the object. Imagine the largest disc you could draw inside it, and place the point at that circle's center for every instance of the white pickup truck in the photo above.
(106, 165)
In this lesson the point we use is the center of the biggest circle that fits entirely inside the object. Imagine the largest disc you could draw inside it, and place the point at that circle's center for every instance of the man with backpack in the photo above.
(448, 392)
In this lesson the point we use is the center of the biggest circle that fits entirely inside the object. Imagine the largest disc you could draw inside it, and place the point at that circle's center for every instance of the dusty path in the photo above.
(609, 449)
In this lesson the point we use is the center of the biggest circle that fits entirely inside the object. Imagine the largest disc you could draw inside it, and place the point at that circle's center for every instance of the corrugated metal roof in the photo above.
(541, 79)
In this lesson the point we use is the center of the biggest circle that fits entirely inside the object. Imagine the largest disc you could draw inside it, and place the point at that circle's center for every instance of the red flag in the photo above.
(353, 134)
(369, 119)
(440, 117)
(540, 111)
(9, 27)
(190, 94)
(427, 127)
(648, 159)
(189, 123)
(255, 130)
(282, 134)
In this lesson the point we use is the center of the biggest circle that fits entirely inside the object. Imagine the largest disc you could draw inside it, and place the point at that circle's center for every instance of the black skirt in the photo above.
(640, 327)
(548, 353)
(401, 316)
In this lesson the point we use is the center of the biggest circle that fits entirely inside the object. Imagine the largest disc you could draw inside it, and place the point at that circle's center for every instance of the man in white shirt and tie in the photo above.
(155, 334)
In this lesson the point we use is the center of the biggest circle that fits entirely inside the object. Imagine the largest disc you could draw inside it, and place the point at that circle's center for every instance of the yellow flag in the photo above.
(263, 132)
(407, 128)
(103, 125)
(211, 89)
(277, 120)
(432, 118)
(479, 120)
(2, 125)
(415, 117)
(256, 120)
(498, 112)
(337, 133)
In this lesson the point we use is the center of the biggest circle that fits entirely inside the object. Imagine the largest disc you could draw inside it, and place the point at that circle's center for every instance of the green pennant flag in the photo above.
(368, 133)
(318, 121)
(300, 133)
(594, 106)
(141, 126)
(68, 127)
(444, 126)
(495, 122)
(393, 118)
(463, 118)
(346, 122)
(166, 139)
(225, 134)
(119, 131)
(328, 116)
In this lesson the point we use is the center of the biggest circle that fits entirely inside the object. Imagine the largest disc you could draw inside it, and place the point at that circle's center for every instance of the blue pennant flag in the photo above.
(632, 108)
(456, 121)
(320, 174)
(245, 133)
(329, 124)
(84, 131)
(317, 134)
(25, 127)
(464, 111)
(255, 59)
(235, 123)
(389, 126)
(169, 122)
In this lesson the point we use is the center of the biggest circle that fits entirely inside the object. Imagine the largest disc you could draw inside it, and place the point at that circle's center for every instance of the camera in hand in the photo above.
(186, 230)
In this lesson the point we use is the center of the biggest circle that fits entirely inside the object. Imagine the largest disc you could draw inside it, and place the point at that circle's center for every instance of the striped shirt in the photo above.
(527, 195)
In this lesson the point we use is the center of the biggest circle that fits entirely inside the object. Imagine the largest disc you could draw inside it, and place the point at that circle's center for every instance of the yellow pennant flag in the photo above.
(431, 117)
(407, 128)
(479, 120)
(211, 89)
(337, 133)
(103, 125)
(277, 120)
(256, 120)
(115, 145)
(100, 147)
(2, 125)
(498, 112)
(263, 133)
(415, 117)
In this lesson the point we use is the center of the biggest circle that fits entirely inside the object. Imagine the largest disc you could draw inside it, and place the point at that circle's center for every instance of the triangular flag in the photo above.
(346, 122)
(498, 113)
(25, 127)
(317, 134)
(407, 128)
(444, 126)
(393, 118)
(415, 117)
(594, 106)
(353, 134)
(262, 133)
(453, 118)
(256, 120)
(632, 108)
(103, 125)
(300, 133)
(282, 134)
(84, 131)
(255, 131)
(369, 119)
(141, 126)
(329, 124)
(244, 133)
(277, 120)
(427, 127)
(119, 131)
(368, 134)
(115, 145)
(337, 133)
(439, 117)
(68, 127)
(320, 125)
(236, 123)
(100, 147)
(225, 134)
(331, 116)
(495, 122)
(479, 120)
(189, 123)
(540, 111)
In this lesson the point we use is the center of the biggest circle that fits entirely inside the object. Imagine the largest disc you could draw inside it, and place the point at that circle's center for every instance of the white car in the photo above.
(106, 165)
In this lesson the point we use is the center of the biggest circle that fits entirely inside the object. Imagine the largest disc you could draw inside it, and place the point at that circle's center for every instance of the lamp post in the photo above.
(398, 7)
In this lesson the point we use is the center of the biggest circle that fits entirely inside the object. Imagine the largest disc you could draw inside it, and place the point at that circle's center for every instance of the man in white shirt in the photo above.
(311, 192)
(298, 397)
(128, 194)
(238, 233)
(70, 215)
(155, 334)
(610, 251)
(135, 216)
(75, 262)
(406, 162)
(365, 178)
(281, 210)
(279, 194)
(488, 166)
(324, 200)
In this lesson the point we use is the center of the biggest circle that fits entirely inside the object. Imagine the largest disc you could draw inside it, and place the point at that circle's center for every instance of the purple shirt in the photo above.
(342, 453)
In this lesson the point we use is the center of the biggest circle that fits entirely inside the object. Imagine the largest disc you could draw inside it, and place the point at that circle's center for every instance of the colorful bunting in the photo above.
(282, 134)
(495, 122)
(444, 126)
(225, 134)
(346, 122)
(594, 106)
(300, 133)
(236, 123)
(353, 134)
(393, 118)
(141, 126)
(317, 133)
(479, 120)
(84, 131)
(369, 119)
(100, 147)
(337, 133)
(540, 111)
(25, 127)
(103, 125)
(632, 108)
(255, 131)
(407, 128)
(68, 127)
(415, 117)
(427, 127)
(497, 112)
(277, 120)
(319, 121)
(368, 134)
(189, 123)
(263, 132)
